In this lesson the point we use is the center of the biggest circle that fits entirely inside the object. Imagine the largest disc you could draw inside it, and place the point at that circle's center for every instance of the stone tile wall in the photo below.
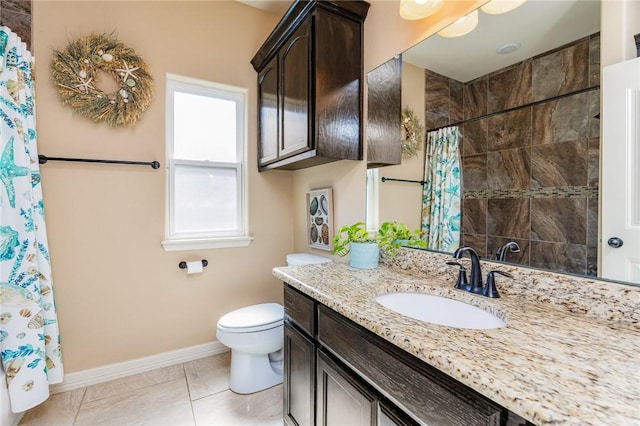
(16, 14)
(530, 175)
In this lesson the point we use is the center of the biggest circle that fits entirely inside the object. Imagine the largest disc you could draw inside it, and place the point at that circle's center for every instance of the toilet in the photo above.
(255, 335)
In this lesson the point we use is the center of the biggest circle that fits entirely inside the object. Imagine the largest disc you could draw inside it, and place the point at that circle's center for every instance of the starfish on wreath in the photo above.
(85, 85)
(127, 72)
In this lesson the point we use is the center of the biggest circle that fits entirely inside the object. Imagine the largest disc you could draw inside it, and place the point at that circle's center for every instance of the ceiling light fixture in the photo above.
(496, 7)
(508, 48)
(419, 9)
(462, 26)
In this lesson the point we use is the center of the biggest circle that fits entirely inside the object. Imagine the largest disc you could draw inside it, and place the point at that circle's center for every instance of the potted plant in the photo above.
(364, 247)
(359, 243)
(393, 235)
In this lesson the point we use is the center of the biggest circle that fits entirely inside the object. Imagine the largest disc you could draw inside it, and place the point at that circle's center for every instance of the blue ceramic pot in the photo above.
(364, 255)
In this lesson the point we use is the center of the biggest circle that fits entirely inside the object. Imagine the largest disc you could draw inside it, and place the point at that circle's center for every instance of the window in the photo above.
(206, 182)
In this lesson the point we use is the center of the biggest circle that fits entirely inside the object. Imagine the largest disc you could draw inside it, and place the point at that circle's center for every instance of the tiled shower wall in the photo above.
(530, 175)
(16, 14)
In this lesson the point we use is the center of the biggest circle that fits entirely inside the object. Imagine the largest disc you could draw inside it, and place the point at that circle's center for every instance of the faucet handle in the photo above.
(462, 283)
(490, 289)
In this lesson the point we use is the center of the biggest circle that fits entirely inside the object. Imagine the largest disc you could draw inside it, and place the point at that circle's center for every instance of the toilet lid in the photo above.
(305, 259)
(253, 318)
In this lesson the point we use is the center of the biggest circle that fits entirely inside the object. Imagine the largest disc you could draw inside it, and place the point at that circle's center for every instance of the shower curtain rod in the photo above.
(42, 159)
(530, 104)
(421, 182)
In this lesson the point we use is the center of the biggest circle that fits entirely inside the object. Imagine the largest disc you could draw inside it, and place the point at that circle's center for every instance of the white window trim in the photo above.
(171, 242)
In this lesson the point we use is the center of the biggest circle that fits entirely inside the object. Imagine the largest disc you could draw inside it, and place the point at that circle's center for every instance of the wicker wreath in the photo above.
(412, 134)
(77, 70)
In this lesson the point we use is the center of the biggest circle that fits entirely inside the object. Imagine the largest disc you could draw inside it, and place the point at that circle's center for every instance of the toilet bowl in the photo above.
(255, 335)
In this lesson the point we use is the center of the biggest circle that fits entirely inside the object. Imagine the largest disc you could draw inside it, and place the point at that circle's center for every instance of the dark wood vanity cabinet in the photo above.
(336, 373)
(310, 75)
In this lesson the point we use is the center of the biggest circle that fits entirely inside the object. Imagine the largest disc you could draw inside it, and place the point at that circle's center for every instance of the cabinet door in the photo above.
(295, 92)
(299, 377)
(268, 114)
(384, 111)
(340, 400)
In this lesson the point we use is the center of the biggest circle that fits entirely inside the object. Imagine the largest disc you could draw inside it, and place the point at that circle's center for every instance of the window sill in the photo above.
(205, 243)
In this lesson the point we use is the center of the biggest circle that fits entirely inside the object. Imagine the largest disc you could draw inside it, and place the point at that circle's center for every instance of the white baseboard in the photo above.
(119, 370)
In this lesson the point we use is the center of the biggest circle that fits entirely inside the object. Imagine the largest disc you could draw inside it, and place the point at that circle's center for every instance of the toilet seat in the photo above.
(252, 318)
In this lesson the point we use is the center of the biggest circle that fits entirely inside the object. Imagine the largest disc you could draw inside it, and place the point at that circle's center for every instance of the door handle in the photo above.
(615, 242)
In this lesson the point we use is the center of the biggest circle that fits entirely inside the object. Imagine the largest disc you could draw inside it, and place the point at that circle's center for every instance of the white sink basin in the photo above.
(440, 310)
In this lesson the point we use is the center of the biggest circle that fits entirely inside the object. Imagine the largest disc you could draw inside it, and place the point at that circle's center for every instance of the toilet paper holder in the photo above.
(183, 264)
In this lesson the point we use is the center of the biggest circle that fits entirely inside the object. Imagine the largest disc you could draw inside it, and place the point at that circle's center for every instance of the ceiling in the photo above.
(539, 25)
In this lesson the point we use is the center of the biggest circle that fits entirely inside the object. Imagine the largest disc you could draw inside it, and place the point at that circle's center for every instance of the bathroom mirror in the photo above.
(523, 90)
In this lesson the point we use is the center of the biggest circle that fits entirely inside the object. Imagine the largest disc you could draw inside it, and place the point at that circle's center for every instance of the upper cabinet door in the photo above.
(268, 113)
(295, 59)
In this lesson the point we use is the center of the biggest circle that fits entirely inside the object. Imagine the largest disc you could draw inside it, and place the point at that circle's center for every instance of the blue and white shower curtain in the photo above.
(442, 190)
(29, 338)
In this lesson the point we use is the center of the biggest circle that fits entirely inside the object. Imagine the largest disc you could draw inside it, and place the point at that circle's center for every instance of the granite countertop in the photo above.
(549, 364)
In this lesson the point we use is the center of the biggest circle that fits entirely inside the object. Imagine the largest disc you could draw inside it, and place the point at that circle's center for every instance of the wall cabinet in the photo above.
(361, 379)
(310, 73)
(384, 112)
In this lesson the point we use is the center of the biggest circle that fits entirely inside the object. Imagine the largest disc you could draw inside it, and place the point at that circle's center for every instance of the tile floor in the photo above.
(193, 393)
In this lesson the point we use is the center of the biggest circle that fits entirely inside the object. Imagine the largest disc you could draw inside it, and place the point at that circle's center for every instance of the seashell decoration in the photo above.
(325, 233)
(313, 207)
(324, 204)
(36, 322)
(319, 218)
(25, 313)
(5, 317)
(12, 368)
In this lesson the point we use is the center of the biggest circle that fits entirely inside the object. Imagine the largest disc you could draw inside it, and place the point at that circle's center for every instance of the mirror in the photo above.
(529, 129)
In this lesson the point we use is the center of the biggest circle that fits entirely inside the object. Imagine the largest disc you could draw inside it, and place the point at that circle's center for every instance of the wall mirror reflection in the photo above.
(512, 108)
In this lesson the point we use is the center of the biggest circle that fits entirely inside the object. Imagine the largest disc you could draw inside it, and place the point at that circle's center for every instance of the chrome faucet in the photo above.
(475, 285)
(511, 246)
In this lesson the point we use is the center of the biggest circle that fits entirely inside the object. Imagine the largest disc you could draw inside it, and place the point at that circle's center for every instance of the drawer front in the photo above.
(429, 394)
(300, 310)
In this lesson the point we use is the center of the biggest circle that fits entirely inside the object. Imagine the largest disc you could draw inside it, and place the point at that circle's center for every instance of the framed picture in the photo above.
(320, 218)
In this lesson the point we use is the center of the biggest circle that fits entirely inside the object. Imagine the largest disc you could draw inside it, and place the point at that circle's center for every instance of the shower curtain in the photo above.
(29, 339)
(441, 193)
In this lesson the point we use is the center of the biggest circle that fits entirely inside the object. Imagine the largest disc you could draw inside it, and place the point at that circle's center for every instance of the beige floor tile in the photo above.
(231, 409)
(60, 410)
(158, 405)
(132, 383)
(208, 376)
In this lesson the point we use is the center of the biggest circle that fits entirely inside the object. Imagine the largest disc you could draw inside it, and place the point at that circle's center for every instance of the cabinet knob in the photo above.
(615, 242)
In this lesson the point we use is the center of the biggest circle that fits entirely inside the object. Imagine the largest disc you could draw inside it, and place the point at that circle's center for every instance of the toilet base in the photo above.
(252, 373)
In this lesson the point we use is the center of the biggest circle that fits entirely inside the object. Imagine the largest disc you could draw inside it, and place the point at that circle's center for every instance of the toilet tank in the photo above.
(305, 259)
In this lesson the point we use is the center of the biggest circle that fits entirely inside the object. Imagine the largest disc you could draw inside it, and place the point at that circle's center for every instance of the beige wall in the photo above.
(620, 21)
(119, 294)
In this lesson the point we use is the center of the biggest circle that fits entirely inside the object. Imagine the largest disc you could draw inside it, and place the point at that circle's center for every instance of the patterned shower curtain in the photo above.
(441, 194)
(29, 339)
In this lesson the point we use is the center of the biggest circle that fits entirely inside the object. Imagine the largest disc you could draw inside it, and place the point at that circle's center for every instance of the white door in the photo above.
(621, 172)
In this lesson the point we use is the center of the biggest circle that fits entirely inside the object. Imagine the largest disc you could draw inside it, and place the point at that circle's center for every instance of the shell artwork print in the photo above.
(320, 218)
